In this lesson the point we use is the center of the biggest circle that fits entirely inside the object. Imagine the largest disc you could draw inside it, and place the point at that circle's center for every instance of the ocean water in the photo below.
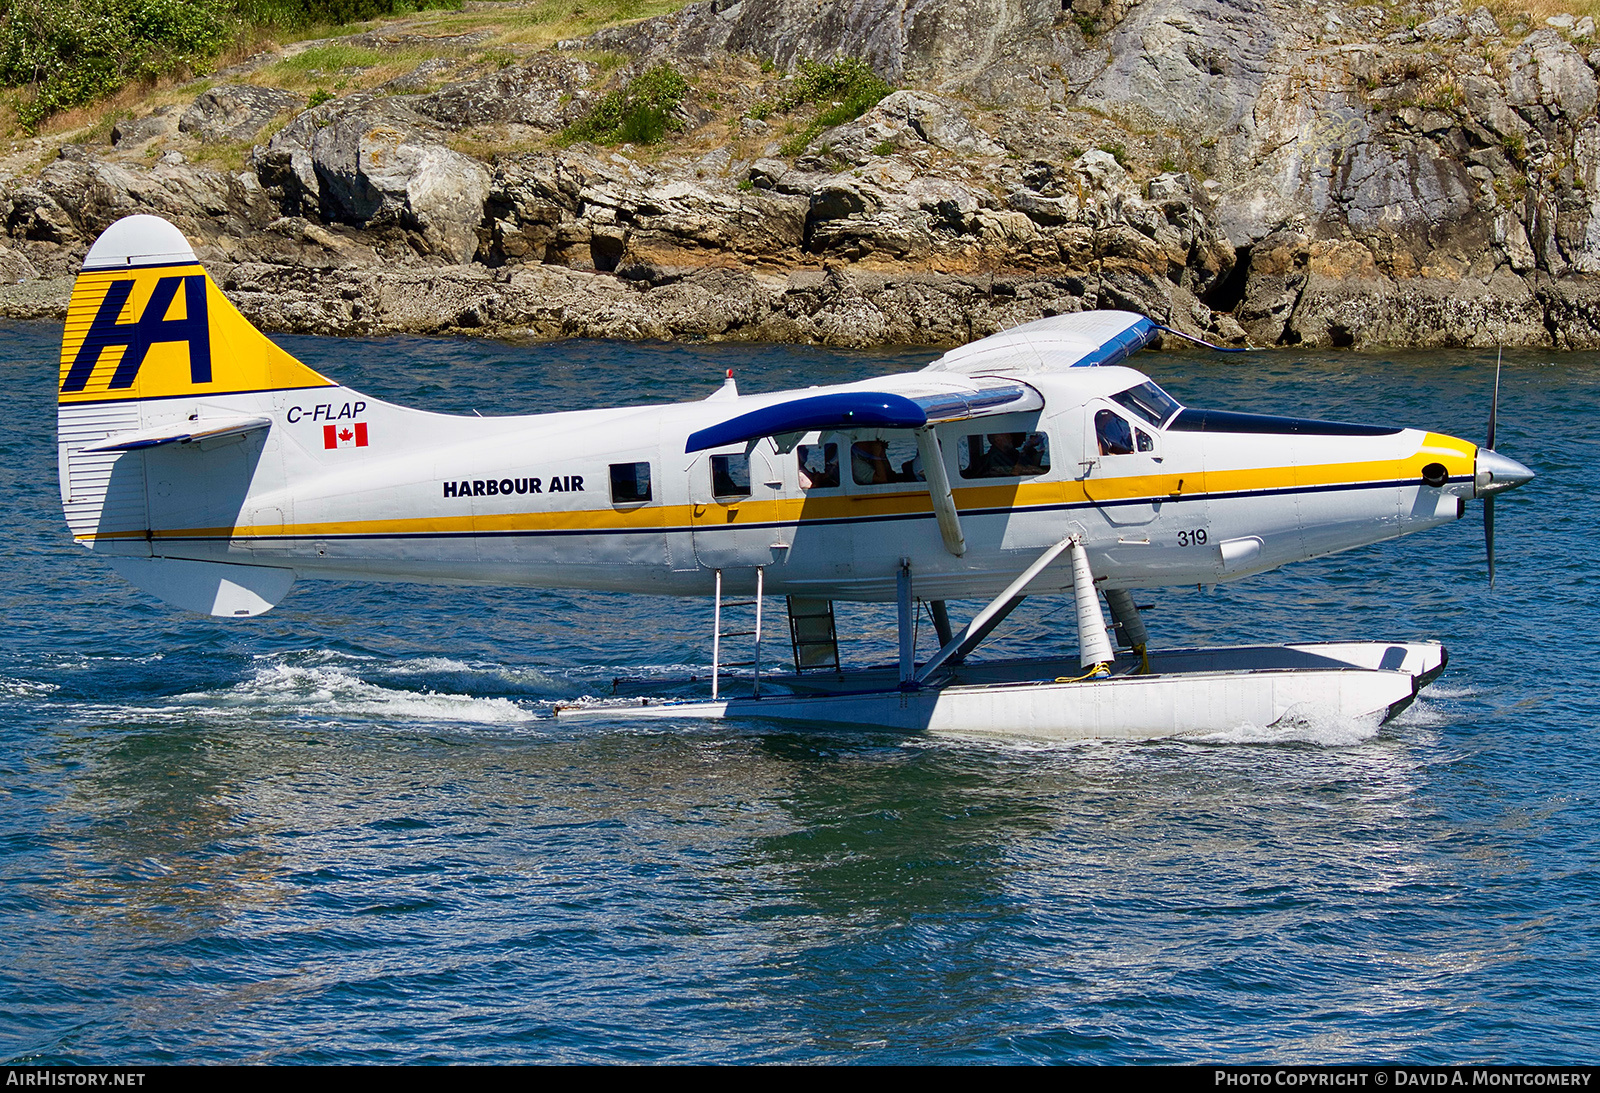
(350, 830)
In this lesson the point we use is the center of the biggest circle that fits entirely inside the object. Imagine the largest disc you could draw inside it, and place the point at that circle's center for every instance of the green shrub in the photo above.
(298, 14)
(72, 52)
(320, 96)
(847, 85)
(638, 113)
(75, 51)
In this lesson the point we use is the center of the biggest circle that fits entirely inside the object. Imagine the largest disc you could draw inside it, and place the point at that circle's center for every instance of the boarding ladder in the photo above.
(718, 633)
(813, 635)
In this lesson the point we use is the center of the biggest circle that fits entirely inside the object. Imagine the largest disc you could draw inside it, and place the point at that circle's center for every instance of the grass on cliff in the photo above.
(541, 23)
(640, 112)
(1537, 11)
(843, 89)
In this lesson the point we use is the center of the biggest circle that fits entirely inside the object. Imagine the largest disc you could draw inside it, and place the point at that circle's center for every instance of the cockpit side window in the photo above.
(1144, 443)
(1149, 402)
(1114, 433)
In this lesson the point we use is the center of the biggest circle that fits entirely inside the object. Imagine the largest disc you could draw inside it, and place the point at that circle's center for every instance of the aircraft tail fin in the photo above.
(155, 358)
(147, 322)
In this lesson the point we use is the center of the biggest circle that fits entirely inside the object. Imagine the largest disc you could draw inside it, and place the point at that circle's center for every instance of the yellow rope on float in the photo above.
(1101, 670)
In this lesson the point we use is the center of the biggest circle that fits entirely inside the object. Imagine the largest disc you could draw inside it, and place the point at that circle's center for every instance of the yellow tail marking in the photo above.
(165, 332)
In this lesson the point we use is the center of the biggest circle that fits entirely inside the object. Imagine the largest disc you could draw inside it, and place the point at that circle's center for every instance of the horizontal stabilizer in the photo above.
(209, 588)
(184, 432)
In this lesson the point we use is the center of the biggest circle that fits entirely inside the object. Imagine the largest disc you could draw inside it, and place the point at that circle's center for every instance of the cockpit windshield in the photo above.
(1149, 402)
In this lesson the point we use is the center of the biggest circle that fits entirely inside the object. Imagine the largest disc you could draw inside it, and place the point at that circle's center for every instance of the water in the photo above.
(350, 831)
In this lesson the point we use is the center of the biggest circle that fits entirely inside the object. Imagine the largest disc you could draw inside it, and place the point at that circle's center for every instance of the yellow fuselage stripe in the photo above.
(1457, 456)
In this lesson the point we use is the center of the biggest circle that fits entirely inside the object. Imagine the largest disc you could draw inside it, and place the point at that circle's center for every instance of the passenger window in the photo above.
(1114, 434)
(730, 476)
(630, 483)
(874, 462)
(1005, 455)
(819, 466)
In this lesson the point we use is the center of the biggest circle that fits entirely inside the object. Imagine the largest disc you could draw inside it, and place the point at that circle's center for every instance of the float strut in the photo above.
(716, 636)
(968, 637)
(1094, 647)
(941, 621)
(908, 645)
(1131, 633)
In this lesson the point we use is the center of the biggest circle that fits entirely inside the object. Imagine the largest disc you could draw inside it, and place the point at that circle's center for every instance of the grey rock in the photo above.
(372, 162)
(419, 79)
(1196, 64)
(236, 112)
(1449, 28)
(906, 120)
(937, 121)
(1481, 23)
(15, 267)
(986, 47)
(1351, 195)
(547, 92)
(1546, 70)
(1363, 313)
(161, 122)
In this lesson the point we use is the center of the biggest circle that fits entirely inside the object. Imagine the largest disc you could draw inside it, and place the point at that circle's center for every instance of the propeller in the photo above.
(1488, 502)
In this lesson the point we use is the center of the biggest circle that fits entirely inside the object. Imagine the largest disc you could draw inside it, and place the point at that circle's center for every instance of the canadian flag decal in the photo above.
(345, 436)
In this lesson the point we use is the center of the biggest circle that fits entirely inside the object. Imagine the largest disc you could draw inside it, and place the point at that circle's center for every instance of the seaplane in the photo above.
(211, 469)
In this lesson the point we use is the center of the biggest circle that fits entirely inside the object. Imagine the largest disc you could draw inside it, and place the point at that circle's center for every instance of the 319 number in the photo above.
(1197, 537)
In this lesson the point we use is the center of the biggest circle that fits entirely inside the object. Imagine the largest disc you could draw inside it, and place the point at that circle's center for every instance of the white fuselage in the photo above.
(417, 496)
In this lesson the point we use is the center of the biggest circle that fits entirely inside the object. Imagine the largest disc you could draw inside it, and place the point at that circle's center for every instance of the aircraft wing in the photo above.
(894, 402)
(1086, 339)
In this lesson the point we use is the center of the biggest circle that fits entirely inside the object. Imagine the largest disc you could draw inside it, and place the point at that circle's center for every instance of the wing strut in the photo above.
(944, 503)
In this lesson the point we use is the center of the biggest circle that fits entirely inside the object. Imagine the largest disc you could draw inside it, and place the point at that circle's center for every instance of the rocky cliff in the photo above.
(1277, 171)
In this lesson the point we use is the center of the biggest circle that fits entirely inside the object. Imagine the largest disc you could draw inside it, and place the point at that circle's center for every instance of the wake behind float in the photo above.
(214, 470)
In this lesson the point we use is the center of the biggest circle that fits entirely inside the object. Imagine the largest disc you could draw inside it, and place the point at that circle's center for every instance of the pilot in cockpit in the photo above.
(1114, 433)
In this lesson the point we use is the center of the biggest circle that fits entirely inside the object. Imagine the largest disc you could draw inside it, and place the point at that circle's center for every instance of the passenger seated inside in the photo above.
(819, 466)
(869, 462)
(1006, 455)
(1114, 434)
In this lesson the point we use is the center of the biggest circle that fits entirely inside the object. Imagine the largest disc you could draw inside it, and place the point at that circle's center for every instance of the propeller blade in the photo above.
(1488, 534)
(1494, 403)
(1488, 502)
